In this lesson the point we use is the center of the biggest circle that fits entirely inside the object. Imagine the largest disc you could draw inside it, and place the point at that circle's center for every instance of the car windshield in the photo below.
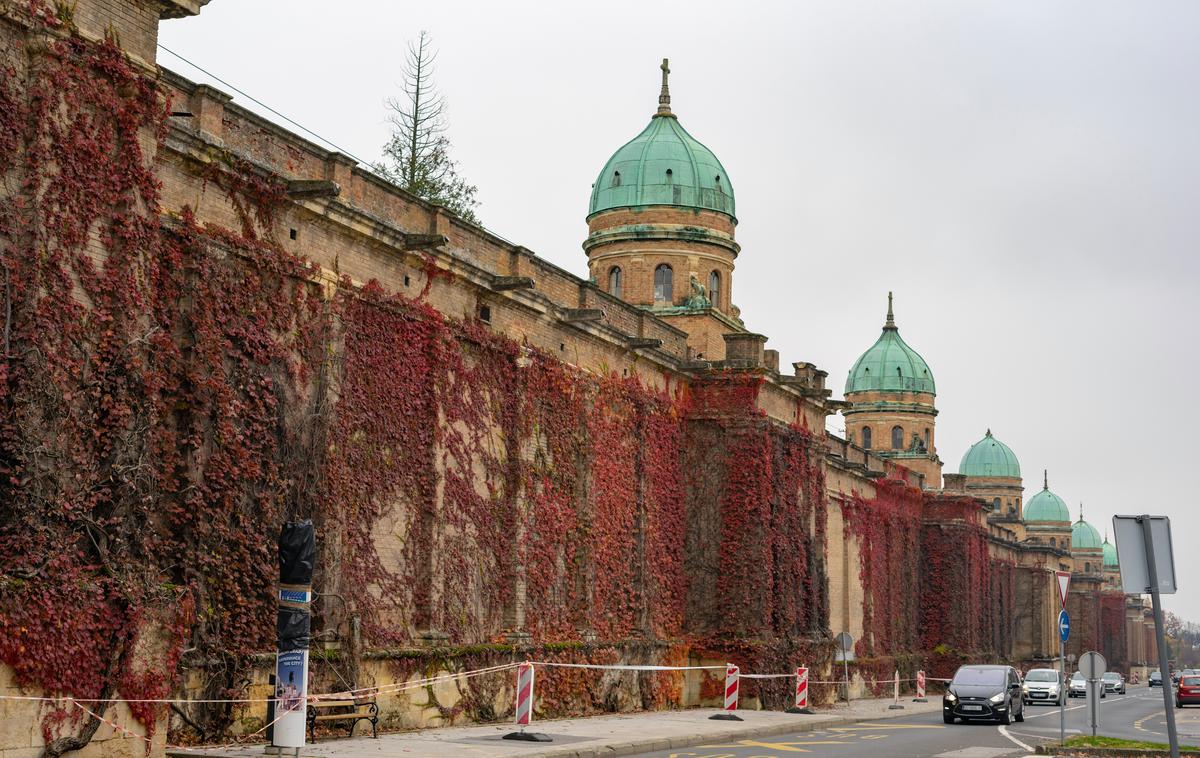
(975, 676)
(1042, 675)
(1155, 675)
(1111, 676)
(1078, 677)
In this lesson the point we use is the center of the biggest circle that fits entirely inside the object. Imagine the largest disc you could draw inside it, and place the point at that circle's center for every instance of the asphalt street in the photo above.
(1136, 715)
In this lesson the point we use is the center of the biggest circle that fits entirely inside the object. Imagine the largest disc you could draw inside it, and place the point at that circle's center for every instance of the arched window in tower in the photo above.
(714, 288)
(1053, 542)
(996, 504)
(1087, 567)
(616, 180)
(897, 438)
(719, 187)
(866, 437)
(614, 281)
(663, 282)
(928, 445)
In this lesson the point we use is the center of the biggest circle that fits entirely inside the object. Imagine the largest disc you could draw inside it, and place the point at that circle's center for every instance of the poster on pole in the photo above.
(1131, 554)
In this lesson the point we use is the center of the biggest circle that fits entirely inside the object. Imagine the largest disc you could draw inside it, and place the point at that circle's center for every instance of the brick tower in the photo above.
(891, 391)
(661, 230)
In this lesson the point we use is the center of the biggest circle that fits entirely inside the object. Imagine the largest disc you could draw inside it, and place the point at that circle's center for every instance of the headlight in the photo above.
(1053, 688)
(998, 697)
(1024, 688)
(951, 696)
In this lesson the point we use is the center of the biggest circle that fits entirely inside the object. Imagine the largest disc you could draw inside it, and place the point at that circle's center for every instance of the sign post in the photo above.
(1092, 665)
(1062, 580)
(1147, 561)
(845, 650)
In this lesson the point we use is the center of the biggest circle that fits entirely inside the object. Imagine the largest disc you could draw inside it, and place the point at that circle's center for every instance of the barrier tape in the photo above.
(148, 741)
(426, 681)
(341, 695)
(629, 667)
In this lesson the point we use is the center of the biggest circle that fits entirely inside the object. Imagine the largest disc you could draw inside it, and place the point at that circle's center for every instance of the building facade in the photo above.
(219, 325)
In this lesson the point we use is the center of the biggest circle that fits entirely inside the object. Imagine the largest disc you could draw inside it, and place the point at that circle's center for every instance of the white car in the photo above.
(1043, 686)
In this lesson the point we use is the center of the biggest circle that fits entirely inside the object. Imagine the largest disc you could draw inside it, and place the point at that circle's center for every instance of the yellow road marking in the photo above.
(883, 727)
(787, 747)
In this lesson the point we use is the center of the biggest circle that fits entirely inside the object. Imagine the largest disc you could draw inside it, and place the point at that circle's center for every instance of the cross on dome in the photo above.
(664, 96)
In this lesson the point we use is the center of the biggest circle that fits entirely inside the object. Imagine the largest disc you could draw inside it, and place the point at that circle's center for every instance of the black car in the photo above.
(1155, 679)
(984, 692)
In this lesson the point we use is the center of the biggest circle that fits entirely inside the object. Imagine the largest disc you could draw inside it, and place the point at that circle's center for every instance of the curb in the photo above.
(651, 744)
(612, 749)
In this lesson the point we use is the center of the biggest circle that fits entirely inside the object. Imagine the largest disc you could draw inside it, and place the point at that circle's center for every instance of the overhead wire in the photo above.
(368, 165)
(253, 99)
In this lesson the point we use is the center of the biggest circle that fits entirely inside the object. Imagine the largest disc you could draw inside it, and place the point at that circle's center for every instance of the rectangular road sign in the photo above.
(1063, 580)
(1131, 554)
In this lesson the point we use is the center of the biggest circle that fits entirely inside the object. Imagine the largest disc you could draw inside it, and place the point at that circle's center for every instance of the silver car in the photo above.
(1043, 686)
(1078, 686)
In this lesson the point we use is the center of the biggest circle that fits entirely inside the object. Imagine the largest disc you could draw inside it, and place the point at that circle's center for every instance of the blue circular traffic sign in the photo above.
(1064, 624)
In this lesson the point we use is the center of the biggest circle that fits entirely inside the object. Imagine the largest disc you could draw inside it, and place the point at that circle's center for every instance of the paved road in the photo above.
(1137, 715)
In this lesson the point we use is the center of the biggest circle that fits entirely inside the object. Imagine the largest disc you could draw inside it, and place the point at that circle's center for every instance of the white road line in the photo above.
(1014, 740)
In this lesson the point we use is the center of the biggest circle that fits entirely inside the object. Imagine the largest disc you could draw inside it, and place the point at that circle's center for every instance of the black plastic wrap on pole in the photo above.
(297, 551)
(294, 629)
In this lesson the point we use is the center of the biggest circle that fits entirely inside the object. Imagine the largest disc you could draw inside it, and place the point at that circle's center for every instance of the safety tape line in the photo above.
(622, 667)
(148, 741)
(424, 682)
(342, 695)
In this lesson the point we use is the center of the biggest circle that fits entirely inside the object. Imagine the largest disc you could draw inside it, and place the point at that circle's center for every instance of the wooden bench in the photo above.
(334, 708)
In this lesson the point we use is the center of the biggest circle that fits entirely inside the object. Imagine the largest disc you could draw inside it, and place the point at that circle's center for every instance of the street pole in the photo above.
(1062, 705)
(1163, 666)
(846, 675)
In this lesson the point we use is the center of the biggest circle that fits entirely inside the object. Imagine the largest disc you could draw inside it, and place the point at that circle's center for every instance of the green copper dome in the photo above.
(1046, 506)
(1110, 555)
(890, 365)
(664, 165)
(990, 457)
(1083, 534)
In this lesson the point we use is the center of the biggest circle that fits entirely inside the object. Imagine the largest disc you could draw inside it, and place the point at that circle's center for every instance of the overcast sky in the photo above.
(1024, 175)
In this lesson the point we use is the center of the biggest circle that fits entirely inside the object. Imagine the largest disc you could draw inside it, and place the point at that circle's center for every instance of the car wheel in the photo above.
(1006, 717)
(947, 719)
(1020, 717)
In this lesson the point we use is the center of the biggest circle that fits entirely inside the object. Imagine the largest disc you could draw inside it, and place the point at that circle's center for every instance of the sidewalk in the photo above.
(617, 734)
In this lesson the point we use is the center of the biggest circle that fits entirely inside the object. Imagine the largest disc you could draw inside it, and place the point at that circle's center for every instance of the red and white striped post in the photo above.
(524, 712)
(801, 703)
(895, 706)
(732, 676)
(524, 694)
(920, 698)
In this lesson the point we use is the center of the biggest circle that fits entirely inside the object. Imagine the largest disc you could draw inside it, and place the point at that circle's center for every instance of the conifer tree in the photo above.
(417, 157)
